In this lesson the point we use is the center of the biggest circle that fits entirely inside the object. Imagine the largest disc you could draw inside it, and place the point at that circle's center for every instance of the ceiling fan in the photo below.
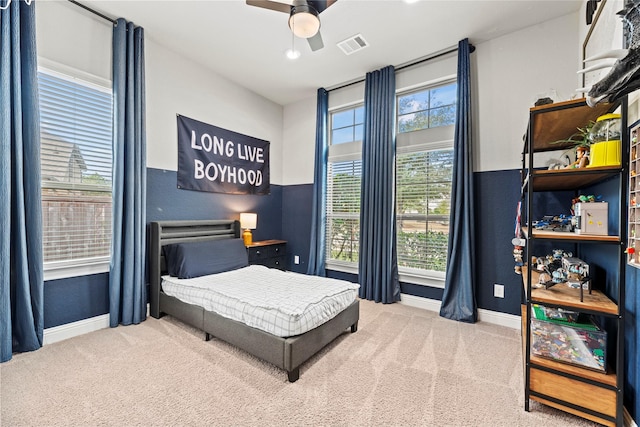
(303, 17)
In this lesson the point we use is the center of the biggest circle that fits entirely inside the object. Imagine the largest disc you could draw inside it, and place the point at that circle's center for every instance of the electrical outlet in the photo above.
(498, 290)
(296, 259)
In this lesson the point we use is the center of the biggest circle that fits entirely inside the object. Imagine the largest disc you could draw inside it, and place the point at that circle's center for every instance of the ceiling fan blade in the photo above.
(320, 5)
(272, 5)
(315, 42)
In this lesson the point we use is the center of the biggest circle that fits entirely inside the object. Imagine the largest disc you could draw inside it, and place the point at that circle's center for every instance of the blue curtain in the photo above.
(378, 266)
(317, 248)
(459, 300)
(127, 296)
(21, 271)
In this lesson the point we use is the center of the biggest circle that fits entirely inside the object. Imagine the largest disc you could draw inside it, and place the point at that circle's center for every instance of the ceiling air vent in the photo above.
(353, 44)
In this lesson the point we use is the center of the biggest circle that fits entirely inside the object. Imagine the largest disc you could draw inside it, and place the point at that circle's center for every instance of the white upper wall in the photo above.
(174, 85)
(511, 73)
(58, 26)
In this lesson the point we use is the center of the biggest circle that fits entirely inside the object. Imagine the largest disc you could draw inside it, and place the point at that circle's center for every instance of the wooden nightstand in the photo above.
(270, 253)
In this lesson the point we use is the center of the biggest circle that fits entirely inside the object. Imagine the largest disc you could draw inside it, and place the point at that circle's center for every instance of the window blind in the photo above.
(343, 210)
(423, 197)
(76, 165)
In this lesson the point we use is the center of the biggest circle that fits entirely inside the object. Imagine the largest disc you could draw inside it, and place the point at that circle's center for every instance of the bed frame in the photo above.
(286, 353)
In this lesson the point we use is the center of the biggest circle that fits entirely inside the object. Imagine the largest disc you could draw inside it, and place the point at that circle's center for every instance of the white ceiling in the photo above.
(246, 44)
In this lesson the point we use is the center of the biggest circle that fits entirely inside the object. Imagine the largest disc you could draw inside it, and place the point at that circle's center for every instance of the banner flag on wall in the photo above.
(221, 161)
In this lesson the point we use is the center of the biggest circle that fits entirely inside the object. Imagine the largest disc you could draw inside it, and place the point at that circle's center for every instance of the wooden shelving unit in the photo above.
(591, 394)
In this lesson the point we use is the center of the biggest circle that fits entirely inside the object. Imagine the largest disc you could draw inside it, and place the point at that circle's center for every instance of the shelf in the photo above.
(608, 378)
(567, 235)
(571, 179)
(562, 295)
(554, 122)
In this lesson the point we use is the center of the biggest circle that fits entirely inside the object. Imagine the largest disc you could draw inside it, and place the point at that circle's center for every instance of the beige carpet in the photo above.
(404, 367)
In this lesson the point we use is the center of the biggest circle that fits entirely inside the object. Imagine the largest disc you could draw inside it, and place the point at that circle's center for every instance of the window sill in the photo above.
(344, 267)
(405, 277)
(65, 270)
(422, 280)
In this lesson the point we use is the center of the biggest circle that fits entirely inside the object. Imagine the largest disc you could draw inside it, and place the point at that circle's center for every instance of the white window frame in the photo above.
(54, 270)
(435, 138)
(418, 276)
(347, 151)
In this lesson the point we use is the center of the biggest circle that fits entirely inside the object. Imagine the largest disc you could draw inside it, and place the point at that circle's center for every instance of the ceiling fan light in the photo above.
(304, 21)
(292, 54)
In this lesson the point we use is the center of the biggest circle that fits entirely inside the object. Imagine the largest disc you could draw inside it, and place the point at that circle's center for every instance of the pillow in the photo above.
(194, 259)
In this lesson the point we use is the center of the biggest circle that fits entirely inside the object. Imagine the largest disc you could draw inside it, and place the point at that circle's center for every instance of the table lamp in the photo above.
(248, 221)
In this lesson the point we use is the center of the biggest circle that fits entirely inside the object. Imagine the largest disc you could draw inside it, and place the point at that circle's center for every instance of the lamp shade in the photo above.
(304, 21)
(248, 221)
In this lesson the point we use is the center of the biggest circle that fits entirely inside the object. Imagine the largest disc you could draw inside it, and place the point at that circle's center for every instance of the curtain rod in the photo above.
(95, 12)
(408, 64)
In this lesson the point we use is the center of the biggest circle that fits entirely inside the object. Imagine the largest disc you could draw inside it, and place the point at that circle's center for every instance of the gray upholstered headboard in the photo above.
(167, 232)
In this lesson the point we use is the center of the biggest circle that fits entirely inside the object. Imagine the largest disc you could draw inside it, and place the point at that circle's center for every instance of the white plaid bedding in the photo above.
(281, 303)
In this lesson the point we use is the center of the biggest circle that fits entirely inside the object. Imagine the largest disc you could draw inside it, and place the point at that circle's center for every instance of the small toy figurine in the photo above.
(558, 276)
(518, 242)
(517, 256)
(582, 158)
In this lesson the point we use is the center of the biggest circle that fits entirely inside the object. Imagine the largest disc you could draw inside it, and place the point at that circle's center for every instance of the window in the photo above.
(424, 167)
(76, 157)
(347, 126)
(427, 108)
(344, 172)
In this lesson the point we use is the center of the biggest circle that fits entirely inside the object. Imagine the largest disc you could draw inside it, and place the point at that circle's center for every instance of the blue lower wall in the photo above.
(165, 201)
(75, 298)
(297, 202)
(497, 194)
(286, 214)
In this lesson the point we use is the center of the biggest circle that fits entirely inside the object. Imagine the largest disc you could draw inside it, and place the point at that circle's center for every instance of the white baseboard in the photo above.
(419, 302)
(70, 330)
(494, 317)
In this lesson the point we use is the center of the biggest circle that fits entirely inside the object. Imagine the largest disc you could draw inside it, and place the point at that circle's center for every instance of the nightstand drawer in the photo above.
(257, 253)
(270, 253)
(275, 262)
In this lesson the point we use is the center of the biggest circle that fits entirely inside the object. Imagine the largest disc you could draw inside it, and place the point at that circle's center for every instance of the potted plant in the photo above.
(581, 140)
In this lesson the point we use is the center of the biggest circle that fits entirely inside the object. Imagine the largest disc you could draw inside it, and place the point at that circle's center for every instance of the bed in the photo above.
(285, 352)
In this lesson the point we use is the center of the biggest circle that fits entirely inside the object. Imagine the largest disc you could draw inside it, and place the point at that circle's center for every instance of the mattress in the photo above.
(281, 303)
